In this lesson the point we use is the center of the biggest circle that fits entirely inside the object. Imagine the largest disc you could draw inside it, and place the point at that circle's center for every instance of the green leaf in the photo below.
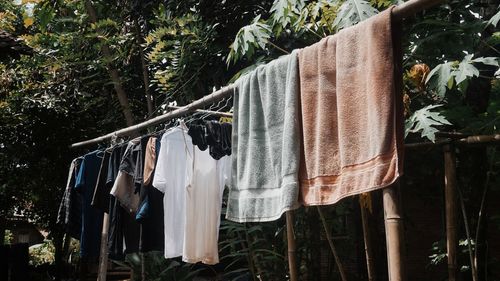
(439, 78)
(249, 38)
(425, 121)
(487, 60)
(465, 70)
(494, 19)
(353, 11)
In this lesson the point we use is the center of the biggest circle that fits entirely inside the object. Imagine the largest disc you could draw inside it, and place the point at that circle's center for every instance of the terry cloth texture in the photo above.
(351, 123)
(265, 143)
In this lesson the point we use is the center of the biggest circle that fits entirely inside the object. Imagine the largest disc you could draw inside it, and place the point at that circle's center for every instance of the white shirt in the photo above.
(170, 178)
(206, 180)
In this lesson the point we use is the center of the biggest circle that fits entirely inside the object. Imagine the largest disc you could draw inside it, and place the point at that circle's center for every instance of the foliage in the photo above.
(8, 237)
(249, 38)
(158, 268)
(425, 121)
(42, 254)
(254, 248)
(447, 74)
(353, 11)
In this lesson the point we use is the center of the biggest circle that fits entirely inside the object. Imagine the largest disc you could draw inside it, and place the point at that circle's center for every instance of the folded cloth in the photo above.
(350, 118)
(265, 143)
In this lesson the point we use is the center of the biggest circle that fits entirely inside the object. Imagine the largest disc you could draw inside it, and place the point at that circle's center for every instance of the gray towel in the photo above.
(266, 143)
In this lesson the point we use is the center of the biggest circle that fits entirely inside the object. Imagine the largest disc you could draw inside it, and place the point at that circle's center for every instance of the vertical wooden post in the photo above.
(394, 233)
(343, 276)
(103, 256)
(290, 236)
(450, 193)
(370, 266)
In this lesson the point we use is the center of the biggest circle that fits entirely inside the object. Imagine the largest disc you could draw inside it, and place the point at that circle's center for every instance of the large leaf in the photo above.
(439, 78)
(284, 11)
(465, 70)
(353, 11)
(487, 60)
(248, 39)
(425, 121)
(495, 19)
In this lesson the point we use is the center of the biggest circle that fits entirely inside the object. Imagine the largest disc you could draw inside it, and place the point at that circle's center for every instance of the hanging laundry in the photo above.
(218, 138)
(351, 128)
(265, 142)
(149, 160)
(100, 198)
(198, 135)
(170, 178)
(123, 234)
(91, 218)
(70, 209)
(150, 213)
(129, 178)
(205, 186)
(213, 135)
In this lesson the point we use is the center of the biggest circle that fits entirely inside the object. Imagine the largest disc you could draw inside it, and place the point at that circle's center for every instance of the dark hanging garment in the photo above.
(198, 136)
(150, 213)
(115, 232)
(91, 217)
(218, 137)
(70, 210)
(227, 130)
(100, 199)
(124, 230)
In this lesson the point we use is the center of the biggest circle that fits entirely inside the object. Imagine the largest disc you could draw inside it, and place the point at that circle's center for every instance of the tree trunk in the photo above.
(145, 74)
(113, 72)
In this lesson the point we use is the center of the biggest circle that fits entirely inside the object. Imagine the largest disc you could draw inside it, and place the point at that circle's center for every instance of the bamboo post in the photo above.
(290, 236)
(332, 246)
(450, 193)
(370, 266)
(103, 256)
(394, 233)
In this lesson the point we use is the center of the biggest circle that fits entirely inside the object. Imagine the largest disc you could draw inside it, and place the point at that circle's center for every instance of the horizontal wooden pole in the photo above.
(215, 113)
(213, 97)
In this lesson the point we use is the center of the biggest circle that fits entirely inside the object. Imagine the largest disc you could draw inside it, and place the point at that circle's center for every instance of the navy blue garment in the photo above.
(91, 217)
(150, 213)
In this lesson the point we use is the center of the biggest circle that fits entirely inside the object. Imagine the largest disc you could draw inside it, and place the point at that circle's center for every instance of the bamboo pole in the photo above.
(215, 96)
(451, 210)
(215, 113)
(394, 233)
(103, 256)
(370, 265)
(290, 236)
(343, 276)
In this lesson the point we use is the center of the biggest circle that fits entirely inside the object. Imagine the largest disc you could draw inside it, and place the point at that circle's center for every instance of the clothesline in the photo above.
(390, 194)
(399, 12)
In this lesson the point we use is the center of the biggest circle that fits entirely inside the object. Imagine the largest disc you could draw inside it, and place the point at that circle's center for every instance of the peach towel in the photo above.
(351, 122)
